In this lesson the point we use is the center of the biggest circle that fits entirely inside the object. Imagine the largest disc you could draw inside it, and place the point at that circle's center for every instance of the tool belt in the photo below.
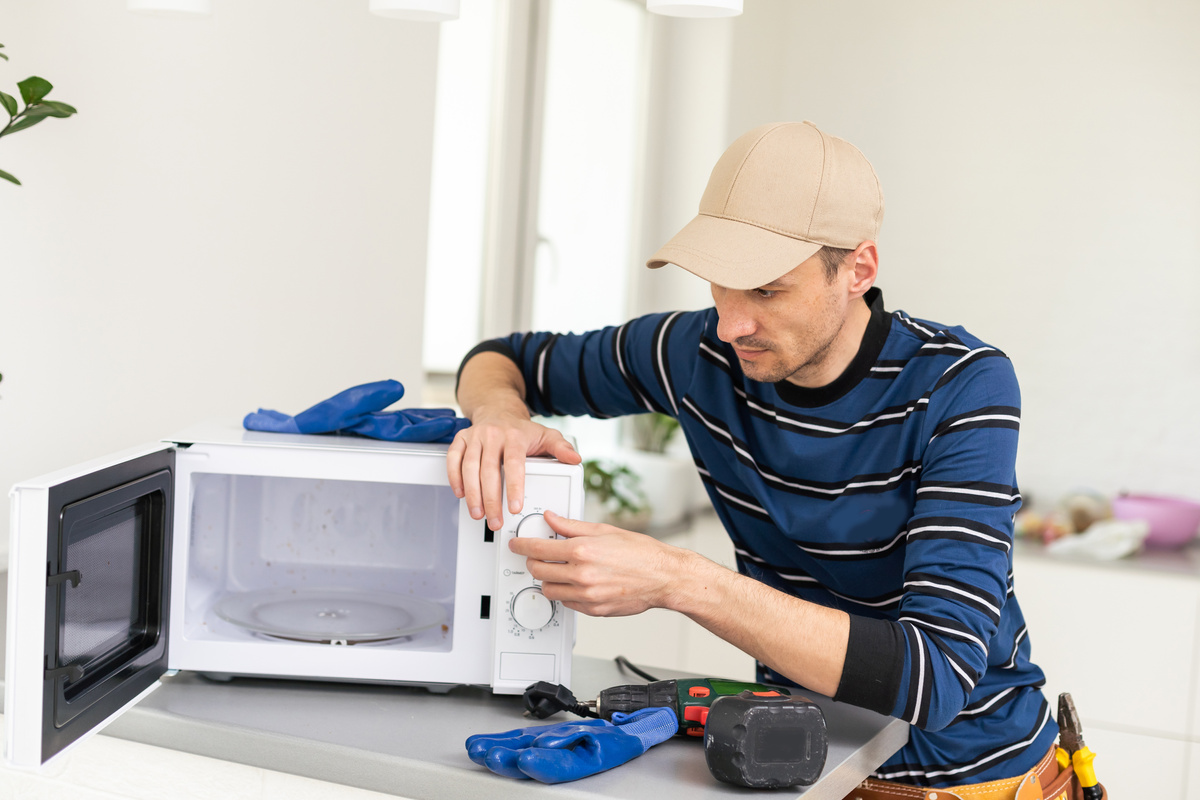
(1046, 781)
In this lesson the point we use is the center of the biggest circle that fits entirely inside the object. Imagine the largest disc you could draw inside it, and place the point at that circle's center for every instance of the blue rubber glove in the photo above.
(572, 750)
(359, 410)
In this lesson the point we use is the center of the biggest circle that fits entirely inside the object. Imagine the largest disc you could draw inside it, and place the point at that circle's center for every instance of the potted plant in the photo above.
(614, 495)
(668, 476)
(37, 108)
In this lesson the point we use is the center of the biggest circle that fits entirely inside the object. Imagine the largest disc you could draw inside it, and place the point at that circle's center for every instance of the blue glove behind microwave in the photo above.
(572, 750)
(359, 410)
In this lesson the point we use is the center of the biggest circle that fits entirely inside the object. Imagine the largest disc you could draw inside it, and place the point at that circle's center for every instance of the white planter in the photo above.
(669, 483)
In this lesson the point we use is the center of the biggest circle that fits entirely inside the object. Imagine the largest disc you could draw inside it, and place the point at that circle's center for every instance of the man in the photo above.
(862, 462)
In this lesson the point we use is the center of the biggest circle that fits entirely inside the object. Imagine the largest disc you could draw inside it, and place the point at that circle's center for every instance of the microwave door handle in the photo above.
(73, 672)
(73, 576)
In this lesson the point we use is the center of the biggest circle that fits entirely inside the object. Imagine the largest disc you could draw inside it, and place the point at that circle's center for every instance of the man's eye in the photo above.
(765, 293)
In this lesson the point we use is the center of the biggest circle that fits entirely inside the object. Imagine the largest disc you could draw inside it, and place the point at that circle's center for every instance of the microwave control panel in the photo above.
(534, 634)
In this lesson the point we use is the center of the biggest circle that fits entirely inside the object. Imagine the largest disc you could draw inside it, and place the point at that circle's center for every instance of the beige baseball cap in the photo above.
(779, 194)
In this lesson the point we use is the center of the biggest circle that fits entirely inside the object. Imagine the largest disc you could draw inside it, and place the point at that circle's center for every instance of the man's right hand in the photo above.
(491, 392)
(475, 458)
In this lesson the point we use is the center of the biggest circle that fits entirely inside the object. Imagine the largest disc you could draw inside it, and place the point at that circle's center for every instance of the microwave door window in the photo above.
(107, 602)
(106, 616)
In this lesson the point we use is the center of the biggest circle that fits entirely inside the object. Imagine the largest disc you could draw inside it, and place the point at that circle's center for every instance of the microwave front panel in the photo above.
(533, 636)
(89, 599)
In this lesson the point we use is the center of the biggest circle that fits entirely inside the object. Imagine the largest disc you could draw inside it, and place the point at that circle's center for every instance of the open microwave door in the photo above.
(88, 597)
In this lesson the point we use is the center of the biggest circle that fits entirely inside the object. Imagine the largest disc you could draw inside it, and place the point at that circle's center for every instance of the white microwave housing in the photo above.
(122, 569)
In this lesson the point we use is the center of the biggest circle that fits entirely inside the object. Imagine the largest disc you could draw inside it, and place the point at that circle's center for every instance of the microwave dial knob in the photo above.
(535, 525)
(531, 609)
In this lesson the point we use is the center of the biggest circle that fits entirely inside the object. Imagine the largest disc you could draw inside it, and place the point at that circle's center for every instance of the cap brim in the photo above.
(736, 255)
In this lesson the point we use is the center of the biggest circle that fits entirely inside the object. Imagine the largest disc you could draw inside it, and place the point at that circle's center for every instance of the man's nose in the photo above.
(734, 319)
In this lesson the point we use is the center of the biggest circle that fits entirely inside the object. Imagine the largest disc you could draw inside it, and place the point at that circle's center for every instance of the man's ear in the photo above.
(864, 265)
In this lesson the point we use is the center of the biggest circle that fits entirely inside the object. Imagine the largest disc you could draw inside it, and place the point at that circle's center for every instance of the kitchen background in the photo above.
(239, 214)
(267, 205)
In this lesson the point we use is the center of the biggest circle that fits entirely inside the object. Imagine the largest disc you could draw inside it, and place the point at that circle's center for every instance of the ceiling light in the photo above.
(171, 7)
(420, 10)
(696, 8)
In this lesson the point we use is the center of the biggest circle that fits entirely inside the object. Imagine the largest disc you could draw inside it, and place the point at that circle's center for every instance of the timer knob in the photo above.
(535, 526)
(531, 609)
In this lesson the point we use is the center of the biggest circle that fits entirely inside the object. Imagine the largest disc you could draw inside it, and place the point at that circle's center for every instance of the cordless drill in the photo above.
(754, 735)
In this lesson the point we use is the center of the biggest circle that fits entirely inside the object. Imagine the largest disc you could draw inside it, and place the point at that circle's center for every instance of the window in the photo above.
(537, 140)
(462, 120)
(589, 153)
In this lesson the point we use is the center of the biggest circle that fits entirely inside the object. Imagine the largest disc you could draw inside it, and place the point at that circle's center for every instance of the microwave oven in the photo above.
(275, 555)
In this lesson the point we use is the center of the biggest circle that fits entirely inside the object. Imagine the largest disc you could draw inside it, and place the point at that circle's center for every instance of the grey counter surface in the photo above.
(1182, 562)
(408, 741)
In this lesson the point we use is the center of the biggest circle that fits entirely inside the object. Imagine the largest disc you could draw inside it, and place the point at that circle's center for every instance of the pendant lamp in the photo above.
(695, 8)
(419, 10)
(171, 7)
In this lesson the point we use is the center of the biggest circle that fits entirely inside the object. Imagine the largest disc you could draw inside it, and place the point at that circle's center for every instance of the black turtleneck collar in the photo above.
(868, 352)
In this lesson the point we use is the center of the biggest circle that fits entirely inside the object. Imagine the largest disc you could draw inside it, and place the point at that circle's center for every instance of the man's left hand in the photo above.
(602, 570)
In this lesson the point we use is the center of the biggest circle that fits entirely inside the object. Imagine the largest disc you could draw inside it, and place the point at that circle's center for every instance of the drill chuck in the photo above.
(631, 697)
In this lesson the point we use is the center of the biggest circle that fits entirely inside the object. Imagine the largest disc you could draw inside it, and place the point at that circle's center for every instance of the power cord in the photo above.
(625, 663)
(544, 699)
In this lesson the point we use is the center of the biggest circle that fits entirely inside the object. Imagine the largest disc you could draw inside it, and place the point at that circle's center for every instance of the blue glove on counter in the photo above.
(359, 410)
(572, 750)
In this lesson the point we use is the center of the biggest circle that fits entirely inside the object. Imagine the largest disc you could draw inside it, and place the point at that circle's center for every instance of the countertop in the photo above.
(1181, 562)
(408, 741)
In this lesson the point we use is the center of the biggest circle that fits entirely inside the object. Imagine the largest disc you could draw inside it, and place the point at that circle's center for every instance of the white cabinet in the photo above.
(1191, 787)
(1122, 638)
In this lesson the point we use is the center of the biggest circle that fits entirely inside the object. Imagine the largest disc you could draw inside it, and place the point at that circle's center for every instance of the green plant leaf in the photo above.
(10, 103)
(39, 110)
(33, 89)
(22, 124)
(64, 109)
(44, 109)
(9, 177)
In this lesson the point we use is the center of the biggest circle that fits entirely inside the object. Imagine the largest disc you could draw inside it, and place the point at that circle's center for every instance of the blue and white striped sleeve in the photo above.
(641, 366)
(957, 556)
(959, 551)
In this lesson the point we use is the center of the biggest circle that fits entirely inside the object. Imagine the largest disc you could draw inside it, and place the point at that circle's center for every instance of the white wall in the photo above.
(236, 217)
(1041, 167)
(689, 68)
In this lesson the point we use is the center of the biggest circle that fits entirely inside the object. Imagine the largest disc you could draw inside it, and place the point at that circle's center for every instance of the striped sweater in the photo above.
(889, 494)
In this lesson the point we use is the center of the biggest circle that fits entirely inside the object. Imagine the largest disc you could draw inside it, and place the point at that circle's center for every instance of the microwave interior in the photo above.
(304, 560)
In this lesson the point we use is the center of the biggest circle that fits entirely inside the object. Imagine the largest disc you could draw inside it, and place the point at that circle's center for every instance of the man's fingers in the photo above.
(514, 474)
(564, 452)
(552, 572)
(454, 458)
(472, 492)
(539, 549)
(485, 464)
(490, 479)
(565, 526)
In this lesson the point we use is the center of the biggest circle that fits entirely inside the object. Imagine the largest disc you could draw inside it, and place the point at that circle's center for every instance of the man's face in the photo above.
(787, 328)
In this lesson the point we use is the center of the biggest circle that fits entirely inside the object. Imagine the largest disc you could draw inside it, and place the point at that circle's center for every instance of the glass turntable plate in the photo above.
(323, 615)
